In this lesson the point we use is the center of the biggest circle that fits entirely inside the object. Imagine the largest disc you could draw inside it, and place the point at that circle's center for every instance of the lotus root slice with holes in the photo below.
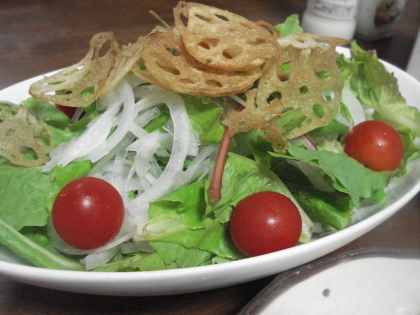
(171, 66)
(94, 76)
(18, 136)
(313, 86)
(223, 40)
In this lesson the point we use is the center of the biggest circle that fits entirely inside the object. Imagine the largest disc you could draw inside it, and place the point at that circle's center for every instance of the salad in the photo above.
(170, 141)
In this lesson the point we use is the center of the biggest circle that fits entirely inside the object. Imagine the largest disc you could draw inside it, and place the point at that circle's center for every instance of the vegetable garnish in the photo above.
(265, 222)
(376, 145)
(184, 127)
(24, 140)
(88, 213)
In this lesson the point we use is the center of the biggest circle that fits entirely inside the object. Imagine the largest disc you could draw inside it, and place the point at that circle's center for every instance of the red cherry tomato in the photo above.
(69, 111)
(376, 145)
(88, 213)
(265, 222)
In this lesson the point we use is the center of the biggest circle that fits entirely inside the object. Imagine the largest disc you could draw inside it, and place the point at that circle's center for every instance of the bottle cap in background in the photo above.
(335, 18)
(377, 18)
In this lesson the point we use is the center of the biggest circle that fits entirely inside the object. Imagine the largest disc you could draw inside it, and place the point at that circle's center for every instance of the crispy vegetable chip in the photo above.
(253, 118)
(91, 78)
(297, 93)
(224, 40)
(23, 141)
(124, 61)
(292, 83)
(84, 80)
(168, 63)
(314, 83)
(7, 110)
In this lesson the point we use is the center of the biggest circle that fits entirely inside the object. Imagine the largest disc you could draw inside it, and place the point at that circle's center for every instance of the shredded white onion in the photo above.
(128, 157)
(123, 123)
(354, 106)
(94, 260)
(77, 114)
(238, 99)
(62, 246)
(165, 183)
(95, 134)
(198, 168)
(112, 167)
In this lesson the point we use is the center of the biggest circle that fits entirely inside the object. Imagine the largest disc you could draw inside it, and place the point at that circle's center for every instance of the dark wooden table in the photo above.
(40, 36)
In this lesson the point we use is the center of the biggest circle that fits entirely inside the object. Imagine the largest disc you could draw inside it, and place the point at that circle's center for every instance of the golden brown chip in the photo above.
(213, 52)
(253, 118)
(313, 85)
(139, 69)
(167, 62)
(124, 61)
(221, 39)
(84, 79)
(91, 78)
(297, 93)
(19, 136)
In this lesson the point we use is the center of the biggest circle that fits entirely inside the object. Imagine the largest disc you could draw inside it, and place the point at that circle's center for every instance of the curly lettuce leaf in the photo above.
(289, 26)
(330, 209)
(179, 218)
(186, 218)
(204, 116)
(254, 145)
(23, 194)
(50, 115)
(347, 175)
(375, 87)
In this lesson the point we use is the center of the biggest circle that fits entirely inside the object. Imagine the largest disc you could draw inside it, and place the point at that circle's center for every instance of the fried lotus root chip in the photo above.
(252, 118)
(94, 76)
(224, 40)
(84, 79)
(168, 64)
(124, 61)
(20, 135)
(313, 86)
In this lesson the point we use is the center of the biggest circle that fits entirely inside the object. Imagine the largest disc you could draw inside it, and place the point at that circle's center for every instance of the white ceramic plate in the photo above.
(368, 281)
(214, 276)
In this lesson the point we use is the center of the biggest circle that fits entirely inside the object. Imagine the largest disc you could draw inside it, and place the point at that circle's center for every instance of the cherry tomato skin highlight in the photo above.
(265, 222)
(376, 145)
(88, 213)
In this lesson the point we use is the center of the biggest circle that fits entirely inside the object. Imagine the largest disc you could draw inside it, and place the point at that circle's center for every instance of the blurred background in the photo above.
(38, 36)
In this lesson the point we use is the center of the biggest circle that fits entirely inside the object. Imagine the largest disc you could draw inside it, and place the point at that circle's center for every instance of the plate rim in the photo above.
(286, 280)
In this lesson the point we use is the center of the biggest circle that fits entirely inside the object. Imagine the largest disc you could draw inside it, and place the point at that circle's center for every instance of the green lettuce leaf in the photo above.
(178, 256)
(179, 218)
(375, 87)
(34, 246)
(290, 26)
(347, 175)
(23, 195)
(186, 218)
(50, 115)
(331, 209)
(205, 118)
